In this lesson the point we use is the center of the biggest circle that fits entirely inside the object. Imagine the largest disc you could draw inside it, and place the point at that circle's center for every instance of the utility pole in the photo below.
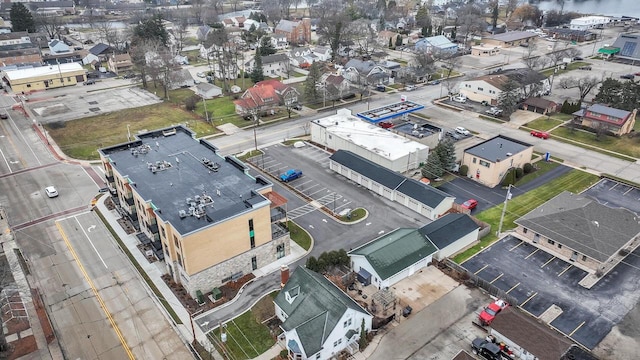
(255, 124)
(206, 113)
(504, 208)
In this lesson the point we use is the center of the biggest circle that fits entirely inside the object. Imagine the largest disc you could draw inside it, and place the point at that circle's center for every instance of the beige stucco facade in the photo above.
(490, 172)
(44, 77)
(559, 250)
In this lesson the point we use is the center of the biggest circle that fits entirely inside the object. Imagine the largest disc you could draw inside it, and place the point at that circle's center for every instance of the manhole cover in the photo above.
(96, 109)
(93, 103)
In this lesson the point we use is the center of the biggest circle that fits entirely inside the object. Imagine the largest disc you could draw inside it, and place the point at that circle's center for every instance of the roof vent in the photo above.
(509, 154)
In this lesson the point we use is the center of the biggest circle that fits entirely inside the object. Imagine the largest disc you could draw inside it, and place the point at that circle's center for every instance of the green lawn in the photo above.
(624, 144)
(246, 337)
(574, 181)
(81, 138)
(543, 168)
(299, 235)
(544, 123)
(221, 110)
(296, 74)
(356, 214)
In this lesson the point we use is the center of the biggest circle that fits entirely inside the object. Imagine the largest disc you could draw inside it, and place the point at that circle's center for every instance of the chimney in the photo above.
(284, 275)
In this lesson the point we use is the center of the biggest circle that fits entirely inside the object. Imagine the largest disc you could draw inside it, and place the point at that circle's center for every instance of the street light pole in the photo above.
(504, 208)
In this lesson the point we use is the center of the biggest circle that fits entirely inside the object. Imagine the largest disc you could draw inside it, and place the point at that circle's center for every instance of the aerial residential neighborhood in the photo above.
(326, 179)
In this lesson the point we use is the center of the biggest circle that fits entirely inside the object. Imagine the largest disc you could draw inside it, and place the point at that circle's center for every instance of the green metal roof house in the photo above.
(318, 319)
(392, 257)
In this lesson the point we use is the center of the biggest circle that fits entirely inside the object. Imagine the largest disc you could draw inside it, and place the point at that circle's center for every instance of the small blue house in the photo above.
(438, 43)
(58, 47)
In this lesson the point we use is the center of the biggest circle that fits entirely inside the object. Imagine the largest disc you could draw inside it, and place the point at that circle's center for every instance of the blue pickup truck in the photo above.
(291, 175)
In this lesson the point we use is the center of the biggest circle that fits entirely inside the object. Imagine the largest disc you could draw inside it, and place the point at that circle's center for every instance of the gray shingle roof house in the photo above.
(392, 257)
(451, 233)
(318, 319)
(581, 230)
(617, 121)
(417, 196)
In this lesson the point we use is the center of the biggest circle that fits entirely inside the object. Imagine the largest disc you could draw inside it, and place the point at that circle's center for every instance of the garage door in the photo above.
(375, 188)
(401, 198)
(414, 205)
(355, 177)
(345, 171)
(387, 193)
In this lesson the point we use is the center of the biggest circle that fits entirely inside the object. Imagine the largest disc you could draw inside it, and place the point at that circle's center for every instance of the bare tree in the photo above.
(532, 61)
(584, 85)
(180, 30)
(49, 24)
(333, 25)
(511, 6)
(470, 20)
(363, 37)
(112, 36)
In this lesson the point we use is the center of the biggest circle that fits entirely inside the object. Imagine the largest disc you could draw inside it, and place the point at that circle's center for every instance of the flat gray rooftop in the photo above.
(186, 181)
(497, 148)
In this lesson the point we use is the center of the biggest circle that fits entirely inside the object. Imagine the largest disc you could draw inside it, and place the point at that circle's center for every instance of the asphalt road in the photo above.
(80, 273)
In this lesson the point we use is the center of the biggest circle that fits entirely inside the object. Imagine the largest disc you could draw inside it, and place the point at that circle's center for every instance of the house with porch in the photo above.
(265, 97)
(319, 320)
(365, 72)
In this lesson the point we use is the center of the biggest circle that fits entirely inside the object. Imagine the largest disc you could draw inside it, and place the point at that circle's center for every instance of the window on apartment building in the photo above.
(551, 241)
(524, 231)
(484, 163)
(180, 260)
(163, 234)
(254, 263)
(280, 251)
(250, 224)
(474, 160)
(492, 91)
(559, 246)
(317, 356)
(480, 89)
(584, 257)
(252, 239)
(175, 241)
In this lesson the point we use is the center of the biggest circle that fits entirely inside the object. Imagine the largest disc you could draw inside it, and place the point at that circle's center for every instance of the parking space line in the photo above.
(626, 192)
(513, 248)
(482, 268)
(497, 277)
(513, 287)
(306, 182)
(565, 270)
(534, 251)
(312, 186)
(310, 195)
(529, 298)
(576, 329)
(614, 185)
(550, 260)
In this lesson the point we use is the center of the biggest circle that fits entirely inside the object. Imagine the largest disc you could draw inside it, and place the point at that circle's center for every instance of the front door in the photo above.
(574, 256)
(254, 263)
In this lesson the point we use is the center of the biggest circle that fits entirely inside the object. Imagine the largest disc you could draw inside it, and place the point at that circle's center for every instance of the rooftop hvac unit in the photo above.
(197, 198)
(192, 210)
(189, 200)
(182, 213)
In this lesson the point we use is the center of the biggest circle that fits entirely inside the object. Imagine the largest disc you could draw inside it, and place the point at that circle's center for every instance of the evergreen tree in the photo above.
(399, 40)
(429, 30)
(433, 168)
(310, 88)
(422, 17)
(151, 30)
(266, 47)
(446, 150)
(21, 19)
(364, 341)
(391, 42)
(509, 98)
(257, 72)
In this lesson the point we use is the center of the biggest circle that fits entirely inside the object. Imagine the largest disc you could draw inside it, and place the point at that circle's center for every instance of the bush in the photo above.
(190, 103)
(528, 168)
(519, 173)
(464, 169)
(509, 178)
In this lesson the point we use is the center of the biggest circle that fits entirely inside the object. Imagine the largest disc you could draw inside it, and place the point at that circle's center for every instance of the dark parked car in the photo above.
(4, 115)
(454, 135)
(89, 82)
(381, 88)
(627, 76)
(129, 76)
(585, 68)
(296, 107)
(578, 58)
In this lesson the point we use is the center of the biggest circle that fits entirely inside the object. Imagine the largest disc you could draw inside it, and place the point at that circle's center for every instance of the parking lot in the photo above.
(614, 194)
(538, 280)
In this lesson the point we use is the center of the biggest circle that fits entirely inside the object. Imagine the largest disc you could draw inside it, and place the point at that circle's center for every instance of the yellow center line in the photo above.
(534, 251)
(550, 260)
(529, 298)
(497, 277)
(482, 268)
(513, 287)
(565, 270)
(95, 292)
(576, 329)
(515, 247)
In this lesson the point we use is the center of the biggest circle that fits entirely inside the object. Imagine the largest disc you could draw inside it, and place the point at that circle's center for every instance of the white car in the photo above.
(200, 75)
(460, 99)
(462, 131)
(51, 191)
(409, 87)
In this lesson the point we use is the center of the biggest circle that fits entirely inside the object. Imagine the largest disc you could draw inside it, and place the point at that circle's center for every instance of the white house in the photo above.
(392, 257)
(489, 87)
(318, 319)
(322, 52)
(272, 65)
(90, 58)
(208, 91)
(365, 72)
(279, 41)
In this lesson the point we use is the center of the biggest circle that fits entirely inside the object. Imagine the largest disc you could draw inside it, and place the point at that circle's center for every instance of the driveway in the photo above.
(464, 188)
(533, 278)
